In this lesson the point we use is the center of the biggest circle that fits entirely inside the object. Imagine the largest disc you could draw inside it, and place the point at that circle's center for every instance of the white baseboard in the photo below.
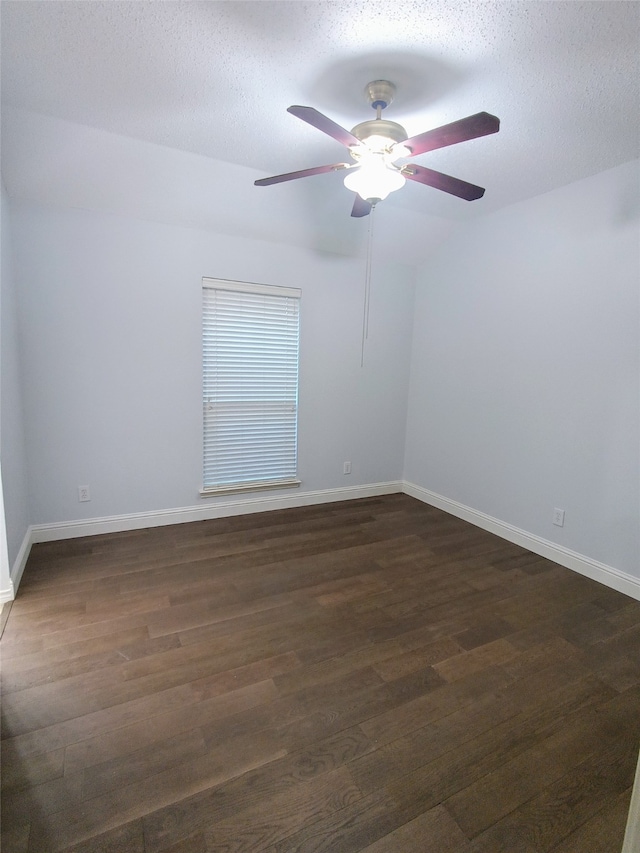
(206, 510)
(7, 594)
(607, 575)
(17, 569)
(223, 508)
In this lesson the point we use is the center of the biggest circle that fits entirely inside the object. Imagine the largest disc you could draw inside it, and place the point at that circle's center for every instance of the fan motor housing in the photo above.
(380, 127)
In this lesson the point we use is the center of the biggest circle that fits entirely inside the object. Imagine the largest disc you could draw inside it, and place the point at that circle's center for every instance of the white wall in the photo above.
(12, 448)
(111, 310)
(63, 164)
(524, 392)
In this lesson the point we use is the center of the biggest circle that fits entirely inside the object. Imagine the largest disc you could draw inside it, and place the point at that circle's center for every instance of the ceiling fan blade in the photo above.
(303, 173)
(326, 125)
(446, 183)
(361, 207)
(480, 124)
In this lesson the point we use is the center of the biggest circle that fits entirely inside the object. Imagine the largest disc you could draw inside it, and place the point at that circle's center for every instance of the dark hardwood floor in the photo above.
(369, 676)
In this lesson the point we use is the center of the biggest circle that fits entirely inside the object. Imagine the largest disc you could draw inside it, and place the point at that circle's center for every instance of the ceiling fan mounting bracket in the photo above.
(379, 93)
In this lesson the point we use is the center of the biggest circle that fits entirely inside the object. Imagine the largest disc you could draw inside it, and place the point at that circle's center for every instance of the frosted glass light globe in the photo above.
(374, 181)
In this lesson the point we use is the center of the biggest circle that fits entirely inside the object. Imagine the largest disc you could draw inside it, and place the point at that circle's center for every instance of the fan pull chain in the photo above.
(367, 286)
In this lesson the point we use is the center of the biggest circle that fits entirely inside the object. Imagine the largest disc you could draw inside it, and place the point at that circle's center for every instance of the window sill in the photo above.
(261, 486)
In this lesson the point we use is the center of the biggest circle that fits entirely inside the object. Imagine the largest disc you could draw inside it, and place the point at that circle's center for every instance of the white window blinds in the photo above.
(250, 385)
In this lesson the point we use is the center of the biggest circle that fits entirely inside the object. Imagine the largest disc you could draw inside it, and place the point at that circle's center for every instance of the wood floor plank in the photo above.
(479, 736)
(352, 827)
(432, 830)
(276, 779)
(269, 820)
(136, 715)
(122, 839)
(372, 675)
(83, 819)
(15, 836)
(562, 807)
(596, 832)
(516, 781)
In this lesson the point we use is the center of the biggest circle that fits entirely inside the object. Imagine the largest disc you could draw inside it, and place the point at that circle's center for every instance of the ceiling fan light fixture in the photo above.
(374, 181)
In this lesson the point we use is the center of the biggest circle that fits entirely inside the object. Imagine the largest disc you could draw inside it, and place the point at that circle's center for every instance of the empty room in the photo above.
(320, 426)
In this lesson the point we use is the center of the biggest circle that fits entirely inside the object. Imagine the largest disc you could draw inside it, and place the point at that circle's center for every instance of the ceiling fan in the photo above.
(380, 148)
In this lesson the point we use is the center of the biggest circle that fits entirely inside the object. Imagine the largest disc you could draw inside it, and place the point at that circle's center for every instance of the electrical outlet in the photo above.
(558, 517)
(84, 494)
(346, 468)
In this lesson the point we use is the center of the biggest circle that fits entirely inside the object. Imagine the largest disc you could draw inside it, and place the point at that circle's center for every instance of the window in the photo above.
(250, 386)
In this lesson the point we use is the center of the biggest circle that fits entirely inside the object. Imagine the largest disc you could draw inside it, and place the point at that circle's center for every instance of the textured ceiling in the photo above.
(215, 79)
